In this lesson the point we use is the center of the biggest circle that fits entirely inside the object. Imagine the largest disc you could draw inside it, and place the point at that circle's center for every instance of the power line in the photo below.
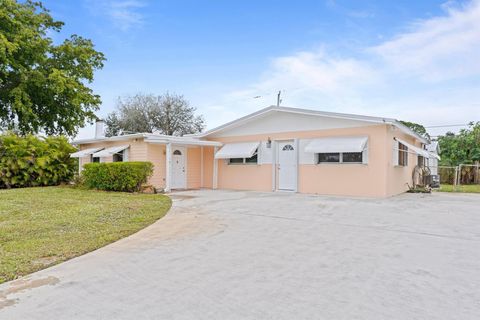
(447, 125)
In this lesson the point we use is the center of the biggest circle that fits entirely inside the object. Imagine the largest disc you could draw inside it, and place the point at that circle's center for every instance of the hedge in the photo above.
(29, 161)
(117, 176)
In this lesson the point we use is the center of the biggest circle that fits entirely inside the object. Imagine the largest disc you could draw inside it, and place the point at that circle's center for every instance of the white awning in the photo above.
(237, 150)
(109, 151)
(84, 153)
(337, 144)
(417, 150)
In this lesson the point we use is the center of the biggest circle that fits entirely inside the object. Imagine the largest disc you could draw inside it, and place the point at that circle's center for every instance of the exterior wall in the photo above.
(208, 154)
(194, 168)
(334, 179)
(156, 155)
(398, 177)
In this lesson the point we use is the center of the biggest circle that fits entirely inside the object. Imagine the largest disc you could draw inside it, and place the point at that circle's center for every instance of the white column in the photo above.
(215, 169)
(274, 165)
(168, 171)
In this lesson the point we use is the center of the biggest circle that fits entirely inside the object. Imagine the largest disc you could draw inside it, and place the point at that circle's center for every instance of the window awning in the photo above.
(109, 151)
(417, 150)
(337, 144)
(237, 150)
(85, 152)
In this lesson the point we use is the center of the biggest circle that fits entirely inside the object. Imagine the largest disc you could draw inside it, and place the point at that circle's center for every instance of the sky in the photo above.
(410, 60)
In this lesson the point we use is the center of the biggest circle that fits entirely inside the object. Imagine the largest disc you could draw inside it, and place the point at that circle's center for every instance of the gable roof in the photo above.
(273, 109)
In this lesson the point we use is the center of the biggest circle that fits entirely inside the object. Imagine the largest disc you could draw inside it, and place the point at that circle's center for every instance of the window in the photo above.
(287, 147)
(252, 160)
(177, 153)
(402, 155)
(118, 157)
(328, 157)
(94, 159)
(421, 161)
(337, 157)
(352, 157)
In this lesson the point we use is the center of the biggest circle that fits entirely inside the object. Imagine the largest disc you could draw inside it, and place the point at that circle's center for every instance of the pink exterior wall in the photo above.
(378, 178)
(368, 180)
(194, 168)
(398, 177)
(208, 167)
(156, 155)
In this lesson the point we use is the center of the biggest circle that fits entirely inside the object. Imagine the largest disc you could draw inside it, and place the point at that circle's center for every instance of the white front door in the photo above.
(287, 166)
(179, 180)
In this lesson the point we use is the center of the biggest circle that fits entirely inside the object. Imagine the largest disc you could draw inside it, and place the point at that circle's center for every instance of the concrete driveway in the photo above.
(246, 255)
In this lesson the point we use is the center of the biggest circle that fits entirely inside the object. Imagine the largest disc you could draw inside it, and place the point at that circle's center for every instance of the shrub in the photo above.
(117, 176)
(31, 161)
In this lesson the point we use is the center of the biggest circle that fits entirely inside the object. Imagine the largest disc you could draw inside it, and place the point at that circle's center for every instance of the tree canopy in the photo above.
(43, 86)
(418, 128)
(169, 114)
(463, 147)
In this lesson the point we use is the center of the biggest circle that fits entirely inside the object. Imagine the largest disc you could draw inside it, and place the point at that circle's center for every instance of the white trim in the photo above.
(274, 165)
(296, 144)
(168, 167)
(186, 166)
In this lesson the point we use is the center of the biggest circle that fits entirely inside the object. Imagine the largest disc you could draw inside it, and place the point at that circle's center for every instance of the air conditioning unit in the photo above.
(433, 180)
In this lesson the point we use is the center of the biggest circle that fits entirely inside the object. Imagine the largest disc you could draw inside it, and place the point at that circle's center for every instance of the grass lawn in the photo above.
(473, 188)
(40, 227)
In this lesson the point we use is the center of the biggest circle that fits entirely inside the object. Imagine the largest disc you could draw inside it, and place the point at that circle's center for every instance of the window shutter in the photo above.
(395, 152)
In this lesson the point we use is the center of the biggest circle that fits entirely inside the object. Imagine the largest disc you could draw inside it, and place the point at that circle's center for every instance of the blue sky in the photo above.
(412, 60)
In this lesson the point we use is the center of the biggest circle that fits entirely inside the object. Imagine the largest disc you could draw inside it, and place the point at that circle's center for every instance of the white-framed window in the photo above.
(121, 156)
(340, 157)
(402, 155)
(252, 160)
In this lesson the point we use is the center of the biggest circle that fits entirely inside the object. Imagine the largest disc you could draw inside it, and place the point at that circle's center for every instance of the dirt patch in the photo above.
(22, 285)
(181, 196)
(45, 261)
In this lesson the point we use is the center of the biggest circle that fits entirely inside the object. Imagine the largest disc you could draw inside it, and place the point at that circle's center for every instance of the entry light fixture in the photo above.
(269, 143)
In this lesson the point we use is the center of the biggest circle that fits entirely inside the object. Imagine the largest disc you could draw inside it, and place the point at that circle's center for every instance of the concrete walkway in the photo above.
(246, 255)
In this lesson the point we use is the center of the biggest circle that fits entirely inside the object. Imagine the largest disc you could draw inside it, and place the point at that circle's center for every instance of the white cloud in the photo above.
(409, 76)
(124, 14)
(439, 48)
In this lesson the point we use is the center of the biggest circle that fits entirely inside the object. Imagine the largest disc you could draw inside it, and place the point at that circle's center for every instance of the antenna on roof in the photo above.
(278, 98)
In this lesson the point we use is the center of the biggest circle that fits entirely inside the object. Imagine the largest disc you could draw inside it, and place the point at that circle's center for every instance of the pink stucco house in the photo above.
(276, 149)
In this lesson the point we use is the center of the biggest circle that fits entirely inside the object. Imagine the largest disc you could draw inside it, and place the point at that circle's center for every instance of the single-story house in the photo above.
(276, 149)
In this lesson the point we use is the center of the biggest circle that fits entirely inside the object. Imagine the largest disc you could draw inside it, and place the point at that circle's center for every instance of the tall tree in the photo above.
(166, 114)
(43, 86)
(463, 147)
(418, 128)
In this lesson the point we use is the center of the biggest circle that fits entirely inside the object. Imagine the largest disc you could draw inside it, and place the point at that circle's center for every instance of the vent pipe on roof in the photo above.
(99, 129)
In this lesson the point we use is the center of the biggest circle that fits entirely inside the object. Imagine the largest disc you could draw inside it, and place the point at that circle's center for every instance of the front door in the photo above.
(179, 180)
(287, 166)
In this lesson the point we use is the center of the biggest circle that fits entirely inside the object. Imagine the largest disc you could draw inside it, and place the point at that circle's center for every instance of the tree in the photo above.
(418, 128)
(43, 85)
(463, 147)
(169, 114)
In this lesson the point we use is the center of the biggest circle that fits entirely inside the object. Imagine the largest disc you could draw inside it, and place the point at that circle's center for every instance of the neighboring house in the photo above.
(276, 149)
(434, 149)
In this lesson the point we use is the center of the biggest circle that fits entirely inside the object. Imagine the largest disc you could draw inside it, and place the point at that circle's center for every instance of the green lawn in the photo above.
(473, 188)
(40, 227)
